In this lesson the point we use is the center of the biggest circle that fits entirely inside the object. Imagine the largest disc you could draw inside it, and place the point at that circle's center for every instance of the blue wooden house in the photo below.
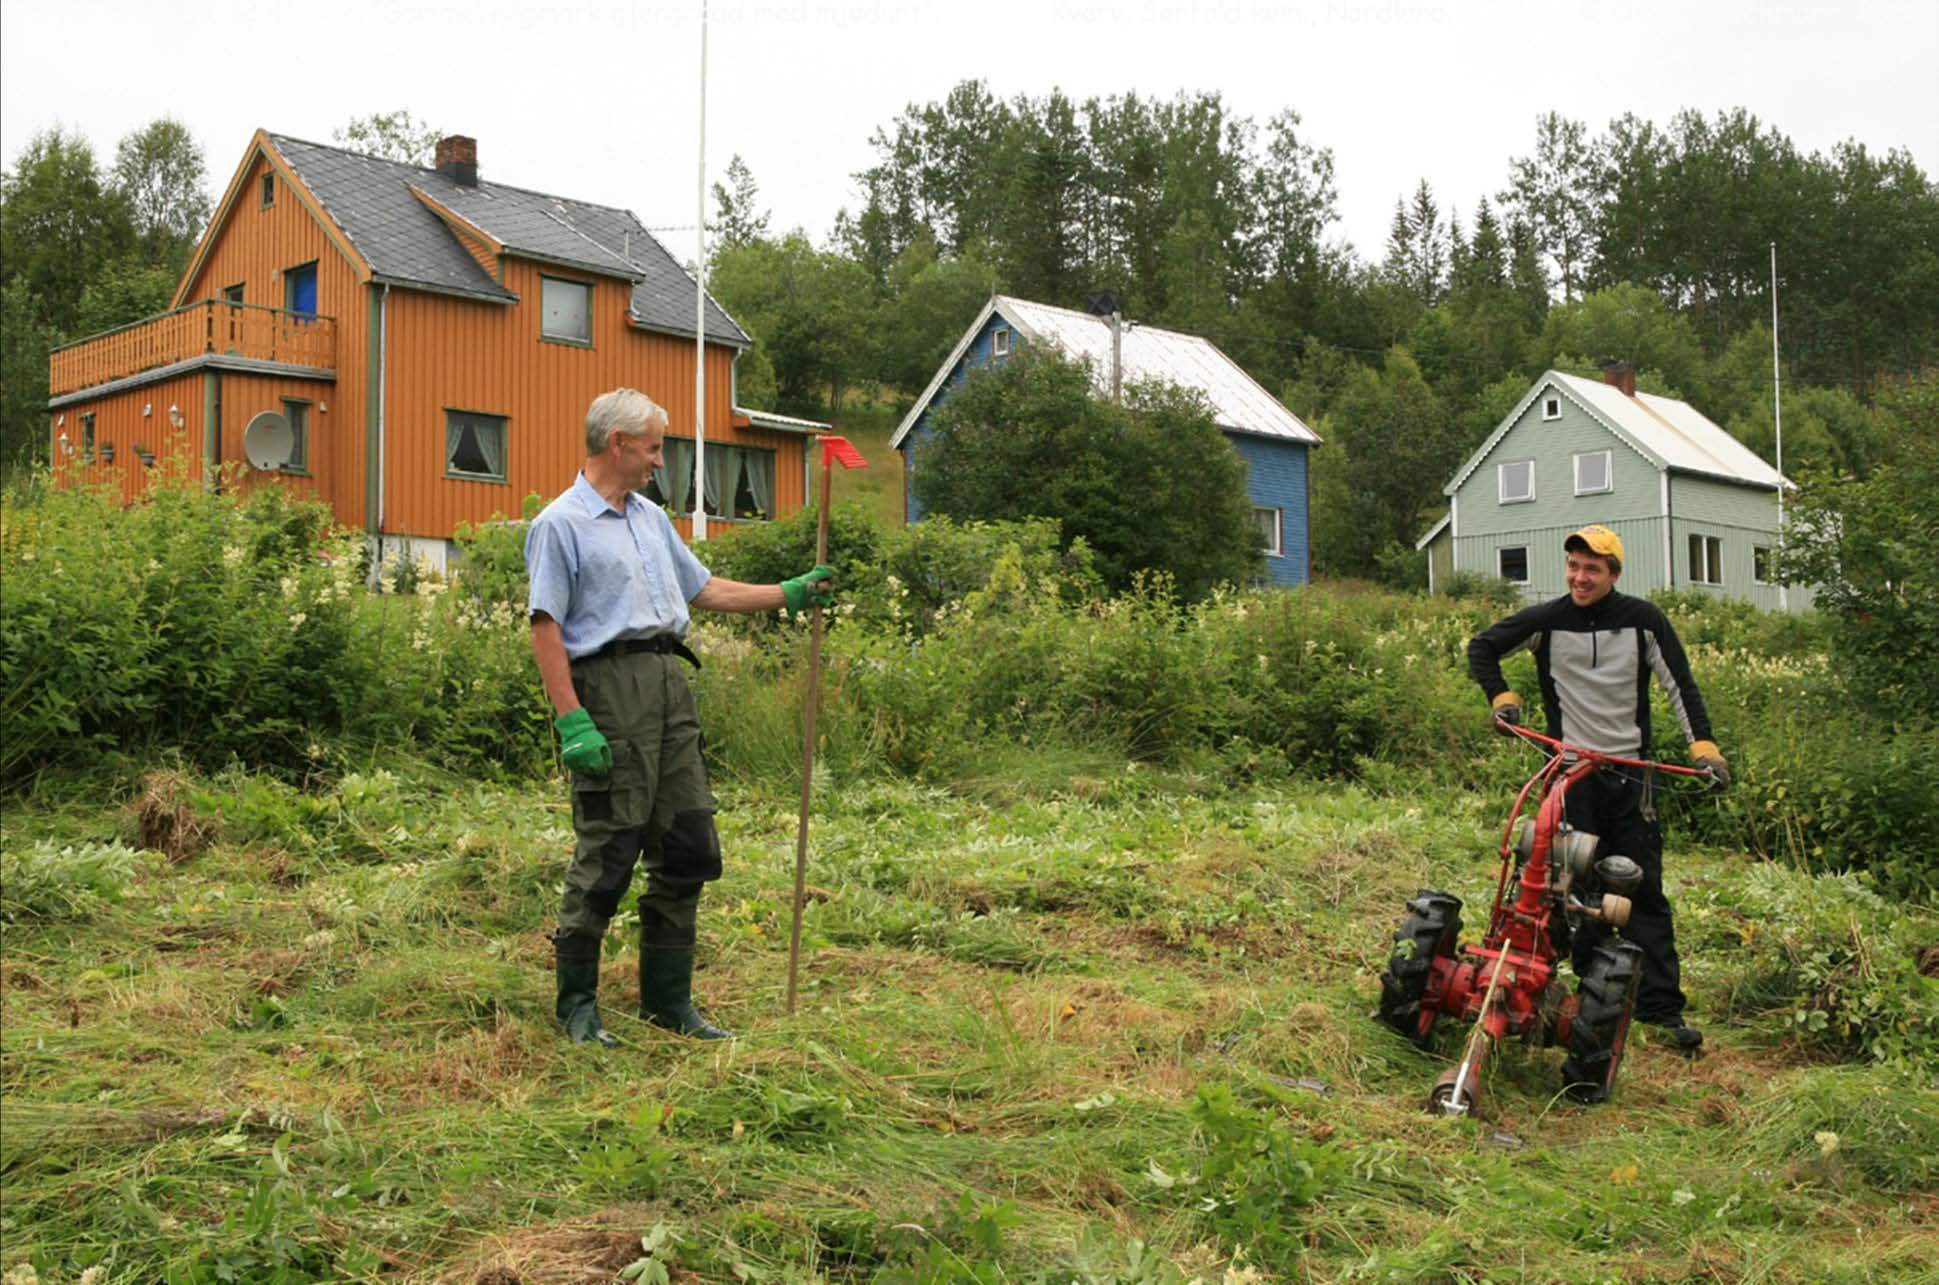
(1270, 438)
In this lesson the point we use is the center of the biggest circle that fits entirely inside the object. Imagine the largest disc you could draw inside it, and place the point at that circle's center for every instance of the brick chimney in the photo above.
(1620, 374)
(458, 159)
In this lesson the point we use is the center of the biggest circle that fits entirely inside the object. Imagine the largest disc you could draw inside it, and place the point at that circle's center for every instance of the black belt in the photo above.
(665, 644)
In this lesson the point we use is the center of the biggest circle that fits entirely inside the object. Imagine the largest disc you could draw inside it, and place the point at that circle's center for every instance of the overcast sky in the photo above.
(600, 100)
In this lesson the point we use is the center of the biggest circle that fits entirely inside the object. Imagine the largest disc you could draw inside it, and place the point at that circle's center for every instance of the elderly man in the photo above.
(611, 584)
(1595, 652)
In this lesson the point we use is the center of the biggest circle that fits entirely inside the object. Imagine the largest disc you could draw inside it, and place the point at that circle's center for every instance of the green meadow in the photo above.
(1098, 896)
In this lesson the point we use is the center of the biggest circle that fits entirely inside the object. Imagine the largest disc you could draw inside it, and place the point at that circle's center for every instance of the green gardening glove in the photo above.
(810, 589)
(581, 745)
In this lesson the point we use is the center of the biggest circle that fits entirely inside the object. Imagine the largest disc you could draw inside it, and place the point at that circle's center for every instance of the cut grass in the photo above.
(326, 1046)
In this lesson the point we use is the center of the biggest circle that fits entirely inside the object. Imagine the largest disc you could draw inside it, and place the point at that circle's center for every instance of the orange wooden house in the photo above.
(432, 341)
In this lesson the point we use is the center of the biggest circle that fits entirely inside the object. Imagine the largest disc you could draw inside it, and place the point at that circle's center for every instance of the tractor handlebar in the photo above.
(1559, 749)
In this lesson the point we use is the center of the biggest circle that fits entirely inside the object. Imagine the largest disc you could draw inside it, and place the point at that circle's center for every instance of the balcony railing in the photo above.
(207, 326)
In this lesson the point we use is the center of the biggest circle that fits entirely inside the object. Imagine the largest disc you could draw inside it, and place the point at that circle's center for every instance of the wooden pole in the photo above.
(810, 706)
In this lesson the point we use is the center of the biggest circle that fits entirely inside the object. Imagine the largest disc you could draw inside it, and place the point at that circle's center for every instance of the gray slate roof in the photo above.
(406, 243)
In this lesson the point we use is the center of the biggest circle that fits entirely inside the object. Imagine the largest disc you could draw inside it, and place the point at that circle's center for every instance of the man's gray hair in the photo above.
(626, 411)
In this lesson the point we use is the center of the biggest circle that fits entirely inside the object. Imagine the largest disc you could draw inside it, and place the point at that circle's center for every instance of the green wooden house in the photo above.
(1696, 508)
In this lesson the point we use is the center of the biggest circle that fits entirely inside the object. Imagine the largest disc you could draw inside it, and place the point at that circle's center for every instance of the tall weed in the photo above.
(235, 627)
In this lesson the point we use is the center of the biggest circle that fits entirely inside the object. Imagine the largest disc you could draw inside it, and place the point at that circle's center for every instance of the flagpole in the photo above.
(1777, 416)
(700, 307)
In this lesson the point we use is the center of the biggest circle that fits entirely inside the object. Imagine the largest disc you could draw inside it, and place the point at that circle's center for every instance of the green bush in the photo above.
(1496, 592)
(1840, 964)
(235, 627)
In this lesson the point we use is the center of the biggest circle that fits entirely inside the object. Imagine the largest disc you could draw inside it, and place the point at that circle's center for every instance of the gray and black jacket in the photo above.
(1594, 665)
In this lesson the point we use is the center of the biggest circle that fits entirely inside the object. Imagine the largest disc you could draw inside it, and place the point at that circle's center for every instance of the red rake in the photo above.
(833, 448)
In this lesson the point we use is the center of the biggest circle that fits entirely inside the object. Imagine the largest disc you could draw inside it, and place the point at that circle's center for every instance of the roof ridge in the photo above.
(1129, 322)
(432, 169)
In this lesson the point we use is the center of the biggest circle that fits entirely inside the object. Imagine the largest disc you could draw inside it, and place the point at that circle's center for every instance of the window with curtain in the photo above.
(739, 482)
(474, 446)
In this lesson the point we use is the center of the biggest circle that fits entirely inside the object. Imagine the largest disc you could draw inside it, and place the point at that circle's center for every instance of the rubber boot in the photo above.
(1682, 1038)
(576, 960)
(666, 978)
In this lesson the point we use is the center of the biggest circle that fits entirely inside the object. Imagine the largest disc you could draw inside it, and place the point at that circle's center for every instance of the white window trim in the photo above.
(1608, 472)
(1711, 574)
(1766, 550)
(483, 419)
(1551, 407)
(1000, 342)
(551, 336)
(1503, 572)
(1501, 483)
(1276, 548)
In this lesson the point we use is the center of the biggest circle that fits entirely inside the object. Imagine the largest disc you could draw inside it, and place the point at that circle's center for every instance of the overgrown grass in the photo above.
(1099, 894)
(1091, 1024)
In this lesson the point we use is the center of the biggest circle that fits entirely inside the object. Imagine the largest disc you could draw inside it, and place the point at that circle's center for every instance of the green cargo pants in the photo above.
(655, 807)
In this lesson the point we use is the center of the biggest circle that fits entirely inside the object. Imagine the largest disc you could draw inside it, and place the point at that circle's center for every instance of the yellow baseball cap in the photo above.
(1599, 540)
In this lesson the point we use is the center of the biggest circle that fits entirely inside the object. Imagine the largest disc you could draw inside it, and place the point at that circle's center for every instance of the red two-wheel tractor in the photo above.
(1509, 984)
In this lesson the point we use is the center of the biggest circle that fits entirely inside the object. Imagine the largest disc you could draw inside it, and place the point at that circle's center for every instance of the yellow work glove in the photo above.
(1507, 709)
(1706, 755)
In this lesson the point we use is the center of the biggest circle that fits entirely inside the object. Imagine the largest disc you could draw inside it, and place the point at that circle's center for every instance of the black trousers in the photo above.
(1614, 805)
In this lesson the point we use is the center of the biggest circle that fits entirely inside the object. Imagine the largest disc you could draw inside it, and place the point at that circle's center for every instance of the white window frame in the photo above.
(1000, 342)
(1501, 482)
(1502, 571)
(549, 301)
(1276, 532)
(1707, 567)
(1551, 407)
(1760, 552)
(1608, 472)
(480, 421)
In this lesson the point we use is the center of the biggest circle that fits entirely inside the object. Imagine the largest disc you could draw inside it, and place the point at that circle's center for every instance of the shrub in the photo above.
(1500, 594)
(1151, 485)
(1839, 963)
(234, 626)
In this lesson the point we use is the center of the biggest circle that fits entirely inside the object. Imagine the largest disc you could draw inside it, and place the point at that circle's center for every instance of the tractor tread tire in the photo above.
(1606, 999)
(1430, 930)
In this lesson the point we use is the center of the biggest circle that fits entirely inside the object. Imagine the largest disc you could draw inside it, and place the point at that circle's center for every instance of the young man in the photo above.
(611, 583)
(1595, 650)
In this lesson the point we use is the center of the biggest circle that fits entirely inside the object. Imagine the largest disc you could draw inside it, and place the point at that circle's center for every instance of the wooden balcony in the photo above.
(208, 326)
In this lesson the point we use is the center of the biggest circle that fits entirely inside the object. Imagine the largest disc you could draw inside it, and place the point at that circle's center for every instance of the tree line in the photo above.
(1646, 241)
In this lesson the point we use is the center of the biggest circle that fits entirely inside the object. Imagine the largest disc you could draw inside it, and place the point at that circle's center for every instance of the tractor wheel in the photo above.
(1430, 930)
(1604, 1001)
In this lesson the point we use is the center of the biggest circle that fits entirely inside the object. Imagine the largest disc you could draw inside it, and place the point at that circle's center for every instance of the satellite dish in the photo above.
(268, 440)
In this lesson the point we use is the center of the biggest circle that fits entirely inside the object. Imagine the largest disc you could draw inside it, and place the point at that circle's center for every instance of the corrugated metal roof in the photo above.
(405, 241)
(1151, 353)
(1668, 433)
(776, 420)
(1674, 433)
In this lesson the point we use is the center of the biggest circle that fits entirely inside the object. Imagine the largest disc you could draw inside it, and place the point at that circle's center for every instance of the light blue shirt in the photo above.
(603, 574)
